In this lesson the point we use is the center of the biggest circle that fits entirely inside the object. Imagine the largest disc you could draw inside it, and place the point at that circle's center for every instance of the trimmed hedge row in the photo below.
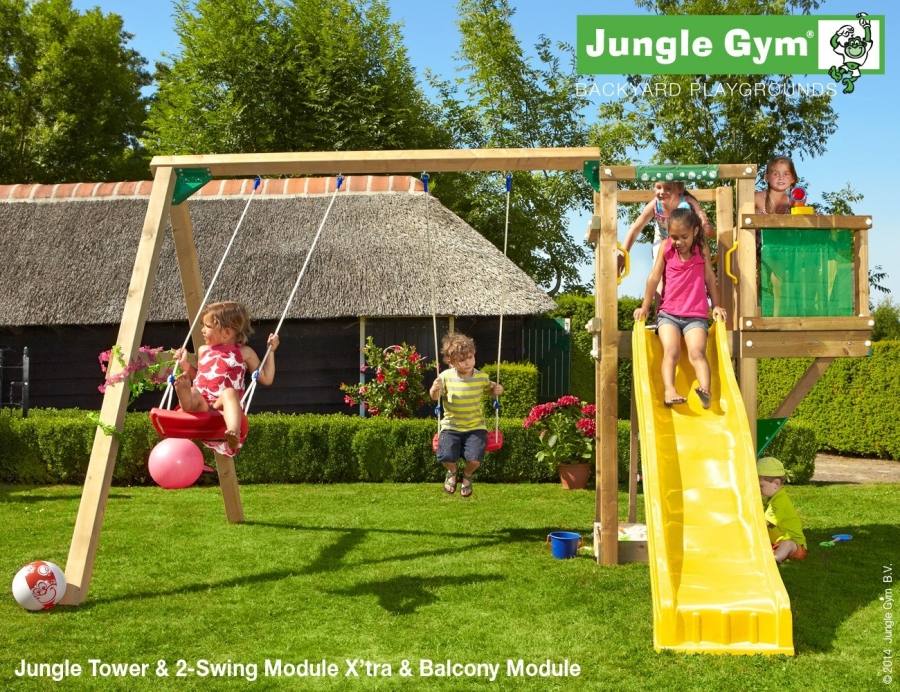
(520, 389)
(54, 447)
(852, 408)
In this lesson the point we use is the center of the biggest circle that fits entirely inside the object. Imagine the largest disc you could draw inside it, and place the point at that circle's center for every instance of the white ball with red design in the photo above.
(39, 585)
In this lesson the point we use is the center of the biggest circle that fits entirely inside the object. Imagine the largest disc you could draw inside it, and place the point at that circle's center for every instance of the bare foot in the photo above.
(183, 391)
(672, 398)
(232, 439)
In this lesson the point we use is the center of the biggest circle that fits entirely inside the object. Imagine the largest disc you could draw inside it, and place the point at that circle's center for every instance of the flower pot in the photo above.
(574, 476)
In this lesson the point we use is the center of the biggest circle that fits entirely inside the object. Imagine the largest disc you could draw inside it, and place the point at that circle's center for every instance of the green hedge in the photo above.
(520, 389)
(852, 408)
(580, 309)
(54, 447)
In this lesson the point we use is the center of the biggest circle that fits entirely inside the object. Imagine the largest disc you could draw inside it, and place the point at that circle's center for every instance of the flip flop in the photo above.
(450, 484)
(466, 489)
(675, 401)
(704, 397)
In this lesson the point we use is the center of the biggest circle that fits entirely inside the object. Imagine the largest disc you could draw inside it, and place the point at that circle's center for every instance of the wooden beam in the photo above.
(805, 344)
(605, 384)
(806, 324)
(726, 170)
(373, 162)
(635, 196)
(806, 222)
(89, 521)
(188, 267)
(815, 370)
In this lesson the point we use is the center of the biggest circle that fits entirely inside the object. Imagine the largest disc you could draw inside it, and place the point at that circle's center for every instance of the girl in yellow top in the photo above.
(463, 431)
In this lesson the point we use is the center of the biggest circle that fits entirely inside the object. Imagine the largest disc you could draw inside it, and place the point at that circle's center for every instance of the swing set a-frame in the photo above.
(175, 177)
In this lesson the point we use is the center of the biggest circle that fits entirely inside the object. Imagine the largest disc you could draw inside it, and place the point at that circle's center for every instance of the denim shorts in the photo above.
(684, 324)
(453, 445)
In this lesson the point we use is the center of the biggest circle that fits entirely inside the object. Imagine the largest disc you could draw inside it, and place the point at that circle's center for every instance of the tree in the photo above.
(502, 99)
(716, 118)
(70, 102)
(841, 202)
(887, 321)
(268, 75)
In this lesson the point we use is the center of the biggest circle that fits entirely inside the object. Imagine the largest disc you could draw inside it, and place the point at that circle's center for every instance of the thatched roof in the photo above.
(68, 254)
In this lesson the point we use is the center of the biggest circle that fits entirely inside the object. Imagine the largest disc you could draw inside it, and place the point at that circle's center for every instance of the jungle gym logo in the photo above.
(842, 46)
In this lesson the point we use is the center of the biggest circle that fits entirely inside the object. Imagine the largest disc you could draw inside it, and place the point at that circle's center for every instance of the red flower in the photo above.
(379, 376)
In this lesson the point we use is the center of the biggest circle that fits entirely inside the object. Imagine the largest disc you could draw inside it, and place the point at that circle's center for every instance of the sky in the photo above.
(863, 152)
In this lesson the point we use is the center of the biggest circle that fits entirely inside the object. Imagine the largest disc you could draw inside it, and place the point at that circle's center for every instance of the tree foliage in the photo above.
(268, 75)
(717, 118)
(502, 98)
(70, 95)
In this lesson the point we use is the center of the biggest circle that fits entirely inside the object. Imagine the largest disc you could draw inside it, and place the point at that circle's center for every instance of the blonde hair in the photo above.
(771, 162)
(456, 346)
(230, 314)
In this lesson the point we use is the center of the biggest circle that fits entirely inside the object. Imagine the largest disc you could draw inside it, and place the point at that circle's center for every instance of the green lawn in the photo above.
(391, 572)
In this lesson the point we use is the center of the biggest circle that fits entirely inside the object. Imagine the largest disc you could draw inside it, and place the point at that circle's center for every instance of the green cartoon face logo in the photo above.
(853, 49)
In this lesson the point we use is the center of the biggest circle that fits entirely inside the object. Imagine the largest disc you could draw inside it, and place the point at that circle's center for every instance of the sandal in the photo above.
(675, 401)
(466, 490)
(450, 483)
(704, 396)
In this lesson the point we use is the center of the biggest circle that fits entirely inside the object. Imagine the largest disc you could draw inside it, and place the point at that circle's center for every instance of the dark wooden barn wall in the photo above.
(315, 357)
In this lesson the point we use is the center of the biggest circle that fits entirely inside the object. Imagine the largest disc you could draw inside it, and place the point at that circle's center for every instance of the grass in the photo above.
(392, 572)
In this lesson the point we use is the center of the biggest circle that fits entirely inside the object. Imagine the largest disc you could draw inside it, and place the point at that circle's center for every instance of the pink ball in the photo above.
(175, 463)
(39, 585)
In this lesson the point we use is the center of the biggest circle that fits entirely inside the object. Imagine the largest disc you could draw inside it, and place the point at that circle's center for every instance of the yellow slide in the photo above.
(716, 587)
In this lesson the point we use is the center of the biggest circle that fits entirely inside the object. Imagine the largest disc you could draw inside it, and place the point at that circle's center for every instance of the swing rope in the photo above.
(502, 302)
(438, 409)
(170, 380)
(248, 395)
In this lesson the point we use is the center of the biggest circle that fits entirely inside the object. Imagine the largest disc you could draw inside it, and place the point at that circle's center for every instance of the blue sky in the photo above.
(865, 151)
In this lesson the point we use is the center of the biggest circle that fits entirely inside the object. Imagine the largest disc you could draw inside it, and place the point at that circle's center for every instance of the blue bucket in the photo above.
(564, 544)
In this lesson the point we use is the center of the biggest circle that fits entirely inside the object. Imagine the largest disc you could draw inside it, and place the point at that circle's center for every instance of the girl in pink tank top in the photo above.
(689, 285)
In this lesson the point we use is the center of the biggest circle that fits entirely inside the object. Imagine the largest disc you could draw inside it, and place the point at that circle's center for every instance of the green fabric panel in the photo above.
(682, 173)
(806, 273)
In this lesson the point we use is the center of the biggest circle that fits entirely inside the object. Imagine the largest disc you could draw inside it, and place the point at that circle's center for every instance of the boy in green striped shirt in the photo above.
(463, 433)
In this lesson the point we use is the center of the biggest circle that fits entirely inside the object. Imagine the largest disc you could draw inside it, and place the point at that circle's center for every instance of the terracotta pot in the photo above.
(574, 476)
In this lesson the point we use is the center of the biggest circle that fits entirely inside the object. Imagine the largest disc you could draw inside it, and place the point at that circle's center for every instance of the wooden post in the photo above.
(231, 491)
(86, 536)
(192, 285)
(748, 301)
(188, 266)
(633, 463)
(725, 230)
(861, 271)
(605, 385)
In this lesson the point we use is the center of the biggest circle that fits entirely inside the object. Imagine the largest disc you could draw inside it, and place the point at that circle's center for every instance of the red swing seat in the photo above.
(494, 441)
(205, 425)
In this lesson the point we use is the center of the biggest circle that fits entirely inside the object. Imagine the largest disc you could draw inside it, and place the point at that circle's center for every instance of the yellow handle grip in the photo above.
(627, 267)
(728, 255)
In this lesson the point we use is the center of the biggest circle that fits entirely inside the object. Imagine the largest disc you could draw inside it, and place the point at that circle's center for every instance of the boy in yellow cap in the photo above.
(782, 520)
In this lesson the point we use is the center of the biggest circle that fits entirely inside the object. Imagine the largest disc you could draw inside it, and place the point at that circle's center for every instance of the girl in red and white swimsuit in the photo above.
(222, 364)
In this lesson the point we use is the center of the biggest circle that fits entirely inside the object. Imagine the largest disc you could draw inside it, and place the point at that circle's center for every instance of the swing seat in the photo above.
(494, 441)
(205, 425)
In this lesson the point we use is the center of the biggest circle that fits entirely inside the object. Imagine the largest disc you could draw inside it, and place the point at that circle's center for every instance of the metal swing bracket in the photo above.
(188, 181)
